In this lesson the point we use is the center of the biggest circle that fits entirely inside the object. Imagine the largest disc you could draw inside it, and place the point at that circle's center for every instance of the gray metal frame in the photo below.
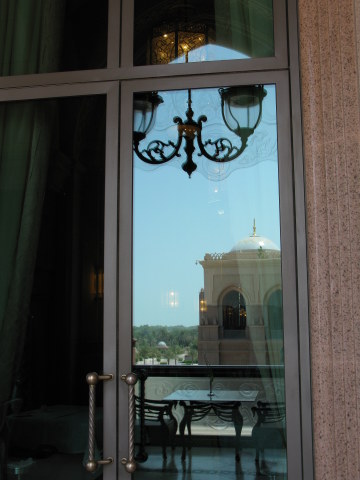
(278, 61)
(301, 252)
(282, 70)
(111, 90)
(121, 26)
(280, 79)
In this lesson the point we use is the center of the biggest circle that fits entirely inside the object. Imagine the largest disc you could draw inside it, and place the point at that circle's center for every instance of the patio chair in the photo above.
(155, 424)
(270, 429)
(196, 411)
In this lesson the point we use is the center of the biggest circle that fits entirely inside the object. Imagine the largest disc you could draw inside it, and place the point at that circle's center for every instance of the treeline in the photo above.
(181, 341)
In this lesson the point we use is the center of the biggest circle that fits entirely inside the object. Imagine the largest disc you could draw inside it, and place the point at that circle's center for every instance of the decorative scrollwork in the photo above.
(159, 390)
(221, 150)
(215, 256)
(224, 150)
(155, 153)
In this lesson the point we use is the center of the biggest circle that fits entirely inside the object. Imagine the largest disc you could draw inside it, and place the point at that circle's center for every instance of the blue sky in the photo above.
(178, 220)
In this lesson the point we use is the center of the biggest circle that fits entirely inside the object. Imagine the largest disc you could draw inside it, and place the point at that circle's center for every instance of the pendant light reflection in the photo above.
(173, 299)
(97, 283)
(241, 110)
(145, 107)
(172, 41)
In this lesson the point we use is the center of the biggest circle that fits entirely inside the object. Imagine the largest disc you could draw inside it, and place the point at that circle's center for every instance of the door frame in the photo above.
(106, 81)
(111, 91)
(287, 224)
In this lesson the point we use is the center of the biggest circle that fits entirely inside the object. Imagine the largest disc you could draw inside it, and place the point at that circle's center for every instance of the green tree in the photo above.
(177, 351)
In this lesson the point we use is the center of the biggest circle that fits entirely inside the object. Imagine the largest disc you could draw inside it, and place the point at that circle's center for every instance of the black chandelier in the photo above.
(241, 109)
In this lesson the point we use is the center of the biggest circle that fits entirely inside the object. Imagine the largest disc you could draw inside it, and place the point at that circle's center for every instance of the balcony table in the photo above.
(218, 396)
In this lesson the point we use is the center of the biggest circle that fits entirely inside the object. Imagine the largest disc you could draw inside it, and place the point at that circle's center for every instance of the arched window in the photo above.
(234, 311)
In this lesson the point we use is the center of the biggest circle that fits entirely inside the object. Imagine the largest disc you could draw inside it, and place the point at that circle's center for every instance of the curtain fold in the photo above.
(30, 36)
(245, 26)
(29, 41)
(23, 172)
(267, 334)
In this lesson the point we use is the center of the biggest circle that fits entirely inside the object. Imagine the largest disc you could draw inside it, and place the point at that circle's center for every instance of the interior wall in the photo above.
(331, 124)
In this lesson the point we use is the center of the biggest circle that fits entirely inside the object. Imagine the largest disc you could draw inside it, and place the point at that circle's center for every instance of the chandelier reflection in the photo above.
(241, 110)
(174, 40)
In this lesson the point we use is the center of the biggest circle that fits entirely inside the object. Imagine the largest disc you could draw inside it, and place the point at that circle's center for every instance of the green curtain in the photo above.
(24, 144)
(30, 36)
(269, 334)
(274, 334)
(246, 26)
(29, 42)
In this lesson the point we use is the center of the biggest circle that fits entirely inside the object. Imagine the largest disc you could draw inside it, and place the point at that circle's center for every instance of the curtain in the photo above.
(24, 145)
(30, 36)
(266, 328)
(245, 26)
(274, 334)
(29, 42)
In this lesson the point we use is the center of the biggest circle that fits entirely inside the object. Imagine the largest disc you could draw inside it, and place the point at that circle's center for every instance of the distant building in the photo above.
(240, 306)
(162, 346)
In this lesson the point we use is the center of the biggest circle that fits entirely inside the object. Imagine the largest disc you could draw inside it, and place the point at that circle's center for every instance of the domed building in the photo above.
(240, 306)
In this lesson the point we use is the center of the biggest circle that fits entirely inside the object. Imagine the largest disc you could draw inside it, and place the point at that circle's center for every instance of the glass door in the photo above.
(58, 312)
(212, 307)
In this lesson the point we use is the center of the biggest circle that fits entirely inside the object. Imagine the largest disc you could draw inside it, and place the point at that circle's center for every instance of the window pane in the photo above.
(207, 286)
(52, 36)
(52, 185)
(204, 30)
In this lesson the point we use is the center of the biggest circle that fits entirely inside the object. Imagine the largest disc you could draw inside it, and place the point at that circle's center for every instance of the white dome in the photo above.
(162, 345)
(254, 242)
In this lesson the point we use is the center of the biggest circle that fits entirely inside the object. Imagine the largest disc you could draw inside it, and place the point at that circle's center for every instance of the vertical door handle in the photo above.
(92, 380)
(129, 463)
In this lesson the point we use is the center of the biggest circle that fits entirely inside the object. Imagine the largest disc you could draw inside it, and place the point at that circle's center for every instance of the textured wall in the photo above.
(330, 101)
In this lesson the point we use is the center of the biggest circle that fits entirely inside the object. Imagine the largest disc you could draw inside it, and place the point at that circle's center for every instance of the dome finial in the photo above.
(254, 229)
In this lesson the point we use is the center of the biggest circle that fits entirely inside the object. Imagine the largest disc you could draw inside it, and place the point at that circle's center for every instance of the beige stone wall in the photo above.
(330, 101)
(357, 28)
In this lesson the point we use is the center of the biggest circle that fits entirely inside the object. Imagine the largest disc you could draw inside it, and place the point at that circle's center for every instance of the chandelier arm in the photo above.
(225, 151)
(154, 154)
(157, 147)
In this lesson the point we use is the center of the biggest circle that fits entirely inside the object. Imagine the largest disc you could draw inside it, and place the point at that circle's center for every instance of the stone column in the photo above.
(331, 125)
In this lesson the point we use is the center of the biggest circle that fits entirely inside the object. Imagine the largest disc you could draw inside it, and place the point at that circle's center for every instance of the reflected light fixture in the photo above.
(241, 109)
(172, 40)
(97, 283)
(173, 300)
(202, 301)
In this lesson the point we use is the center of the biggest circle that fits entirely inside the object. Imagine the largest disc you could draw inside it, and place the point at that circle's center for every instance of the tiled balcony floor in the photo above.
(202, 463)
(210, 463)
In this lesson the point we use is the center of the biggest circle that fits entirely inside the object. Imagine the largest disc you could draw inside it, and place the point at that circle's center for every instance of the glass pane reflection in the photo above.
(177, 31)
(53, 36)
(207, 297)
(52, 218)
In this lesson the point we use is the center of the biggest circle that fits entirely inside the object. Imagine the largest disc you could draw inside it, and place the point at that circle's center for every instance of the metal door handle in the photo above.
(129, 463)
(92, 379)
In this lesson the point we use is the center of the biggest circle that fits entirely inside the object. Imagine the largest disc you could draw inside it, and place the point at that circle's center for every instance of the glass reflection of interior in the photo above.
(204, 30)
(241, 112)
(207, 292)
(51, 208)
(60, 35)
(225, 276)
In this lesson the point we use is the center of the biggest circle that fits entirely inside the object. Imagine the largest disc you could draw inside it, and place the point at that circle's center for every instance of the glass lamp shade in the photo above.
(241, 108)
(145, 106)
